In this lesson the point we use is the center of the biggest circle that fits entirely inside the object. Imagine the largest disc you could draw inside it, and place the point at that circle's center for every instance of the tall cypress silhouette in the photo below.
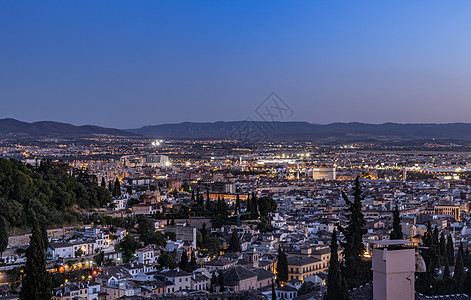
(36, 282)
(396, 233)
(355, 270)
(336, 288)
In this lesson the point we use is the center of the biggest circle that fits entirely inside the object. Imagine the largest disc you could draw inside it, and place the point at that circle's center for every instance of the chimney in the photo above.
(393, 266)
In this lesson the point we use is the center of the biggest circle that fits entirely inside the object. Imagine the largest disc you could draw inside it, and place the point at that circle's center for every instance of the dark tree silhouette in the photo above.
(336, 287)
(396, 233)
(36, 283)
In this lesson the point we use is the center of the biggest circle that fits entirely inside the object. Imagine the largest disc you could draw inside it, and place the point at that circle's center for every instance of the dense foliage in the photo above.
(50, 191)
(439, 254)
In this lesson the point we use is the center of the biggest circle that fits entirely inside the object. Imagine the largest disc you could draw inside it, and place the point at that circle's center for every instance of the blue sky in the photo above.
(127, 64)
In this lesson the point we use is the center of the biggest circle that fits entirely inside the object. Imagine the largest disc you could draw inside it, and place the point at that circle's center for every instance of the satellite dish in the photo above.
(420, 266)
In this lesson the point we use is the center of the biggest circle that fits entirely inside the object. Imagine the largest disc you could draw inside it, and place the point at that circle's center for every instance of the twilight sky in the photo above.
(126, 64)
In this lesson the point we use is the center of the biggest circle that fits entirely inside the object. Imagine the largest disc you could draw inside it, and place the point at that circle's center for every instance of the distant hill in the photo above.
(302, 131)
(17, 129)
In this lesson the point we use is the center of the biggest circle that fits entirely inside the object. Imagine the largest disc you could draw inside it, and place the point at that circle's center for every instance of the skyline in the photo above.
(127, 65)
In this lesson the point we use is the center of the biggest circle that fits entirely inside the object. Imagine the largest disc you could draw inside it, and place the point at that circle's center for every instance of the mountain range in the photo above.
(334, 133)
(304, 131)
(11, 128)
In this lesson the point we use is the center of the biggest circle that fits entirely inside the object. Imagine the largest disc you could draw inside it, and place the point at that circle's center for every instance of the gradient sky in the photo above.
(127, 64)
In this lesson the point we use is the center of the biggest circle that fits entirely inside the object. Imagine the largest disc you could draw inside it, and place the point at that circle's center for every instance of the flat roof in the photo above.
(392, 242)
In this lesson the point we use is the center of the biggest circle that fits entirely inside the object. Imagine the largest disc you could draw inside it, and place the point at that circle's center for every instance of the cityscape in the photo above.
(124, 175)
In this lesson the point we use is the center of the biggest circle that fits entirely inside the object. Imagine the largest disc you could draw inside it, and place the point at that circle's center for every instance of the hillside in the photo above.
(48, 192)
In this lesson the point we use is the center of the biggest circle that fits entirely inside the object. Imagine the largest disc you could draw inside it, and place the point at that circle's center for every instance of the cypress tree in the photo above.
(234, 243)
(429, 254)
(208, 204)
(467, 283)
(336, 288)
(446, 271)
(110, 188)
(450, 250)
(249, 205)
(3, 235)
(396, 233)
(255, 213)
(193, 263)
(442, 246)
(214, 281)
(282, 265)
(237, 203)
(273, 292)
(117, 188)
(355, 269)
(44, 234)
(459, 274)
(221, 281)
(36, 283)
(204, 233)
(103, 182)
(184, 264)
(172, 223)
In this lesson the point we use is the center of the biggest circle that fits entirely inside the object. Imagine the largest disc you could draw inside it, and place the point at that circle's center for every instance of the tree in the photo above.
(459, 274)
(103, 182)
(431, 259)
(208, 204)
(282, 265)
(355, 270)
(234, 243)
(214, 282)
(204, 232)
(266, 205)
(221, 281)
(36, 283)
(336, 287)
(254, 206)
(308, 287)
(117, 188)
(146, 229)
(442, 246)
(3, 235)
(44, 235)
(128, 245)
(237, 203)
(450, 250)
(193, 263)
(222, 208)
(184, 264)
(170, 235)
(467, 283)
(396, 233)
(167, 260)
(273, 292)
(79, 252)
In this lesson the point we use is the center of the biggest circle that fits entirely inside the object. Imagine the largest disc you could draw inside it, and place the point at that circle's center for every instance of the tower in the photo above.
(252, 257)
